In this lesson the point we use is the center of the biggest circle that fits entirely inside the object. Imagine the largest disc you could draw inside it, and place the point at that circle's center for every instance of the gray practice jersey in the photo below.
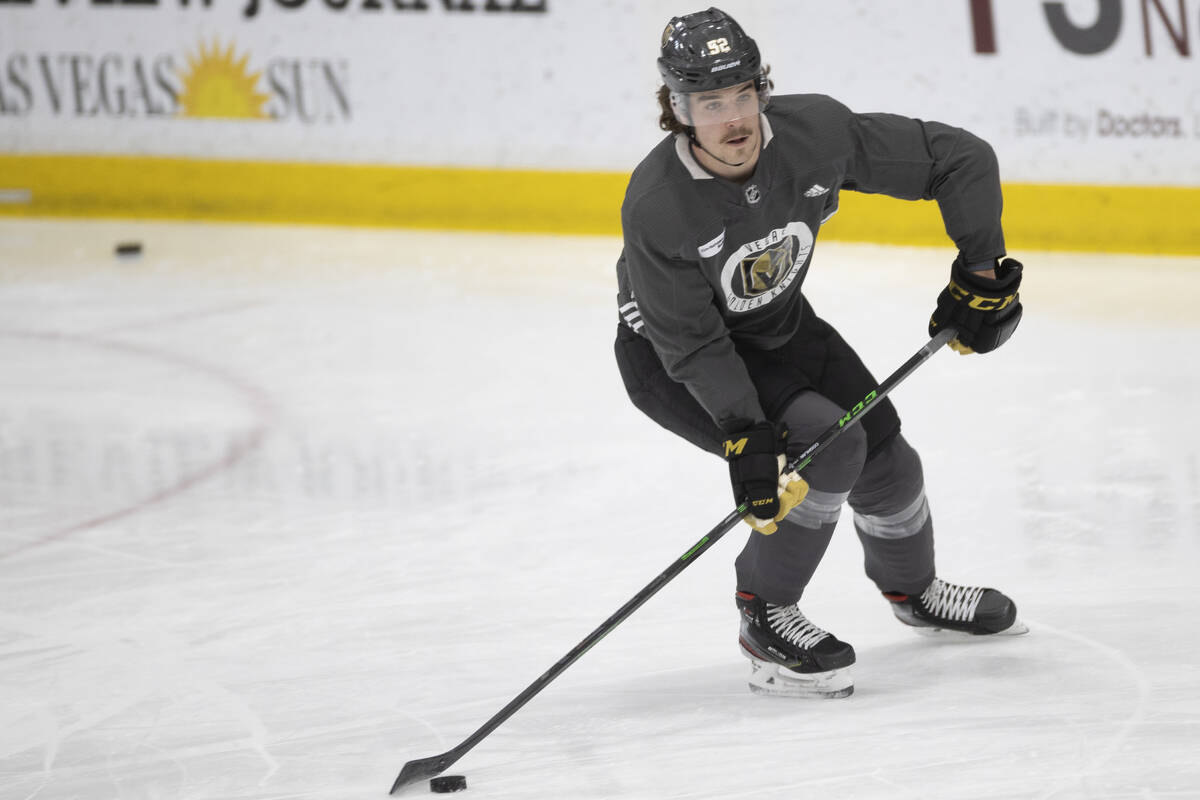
(708, 263)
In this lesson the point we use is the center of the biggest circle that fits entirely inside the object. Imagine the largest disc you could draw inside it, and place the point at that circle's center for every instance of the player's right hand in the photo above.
(756, 461)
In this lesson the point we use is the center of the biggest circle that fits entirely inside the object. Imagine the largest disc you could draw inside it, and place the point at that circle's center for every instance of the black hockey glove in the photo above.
(984, 310)
(756, 460)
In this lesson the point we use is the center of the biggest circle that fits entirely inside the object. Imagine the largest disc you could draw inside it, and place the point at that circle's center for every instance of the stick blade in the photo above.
(422, 769)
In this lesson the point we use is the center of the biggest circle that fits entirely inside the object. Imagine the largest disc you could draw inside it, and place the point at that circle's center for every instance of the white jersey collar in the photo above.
(689, 161)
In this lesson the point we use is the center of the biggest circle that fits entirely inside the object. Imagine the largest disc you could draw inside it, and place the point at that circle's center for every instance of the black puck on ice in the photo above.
(129, 248)
(448, 783)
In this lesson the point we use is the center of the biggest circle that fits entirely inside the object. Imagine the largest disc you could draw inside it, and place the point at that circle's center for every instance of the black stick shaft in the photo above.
(429, 767)
(883, 390)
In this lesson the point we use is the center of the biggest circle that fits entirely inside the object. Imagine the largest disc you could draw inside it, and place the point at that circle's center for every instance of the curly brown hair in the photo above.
(666, 117)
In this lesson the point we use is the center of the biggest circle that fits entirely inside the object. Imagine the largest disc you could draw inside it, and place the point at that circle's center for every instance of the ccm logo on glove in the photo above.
(985, 311)
(979, 302)
(756, 461)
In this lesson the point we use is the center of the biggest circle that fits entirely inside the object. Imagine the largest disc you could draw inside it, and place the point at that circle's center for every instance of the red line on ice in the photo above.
(246, 444)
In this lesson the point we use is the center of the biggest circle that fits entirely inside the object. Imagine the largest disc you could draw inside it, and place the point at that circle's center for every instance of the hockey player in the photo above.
(717, 343)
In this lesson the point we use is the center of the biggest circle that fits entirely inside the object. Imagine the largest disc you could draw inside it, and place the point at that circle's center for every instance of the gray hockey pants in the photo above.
(886, 493)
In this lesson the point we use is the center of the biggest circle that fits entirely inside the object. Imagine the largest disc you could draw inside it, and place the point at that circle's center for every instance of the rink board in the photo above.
(1160, 219)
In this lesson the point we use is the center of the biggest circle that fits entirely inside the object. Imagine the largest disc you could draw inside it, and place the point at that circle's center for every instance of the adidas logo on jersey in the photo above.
(816, 190)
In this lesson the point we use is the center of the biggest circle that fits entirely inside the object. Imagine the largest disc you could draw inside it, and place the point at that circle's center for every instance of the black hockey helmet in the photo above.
(707, 51)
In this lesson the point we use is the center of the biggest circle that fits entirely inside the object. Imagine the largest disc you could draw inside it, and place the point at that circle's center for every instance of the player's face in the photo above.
(726, 121)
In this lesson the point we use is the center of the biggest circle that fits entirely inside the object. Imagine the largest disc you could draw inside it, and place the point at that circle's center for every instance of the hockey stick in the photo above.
(425, 768)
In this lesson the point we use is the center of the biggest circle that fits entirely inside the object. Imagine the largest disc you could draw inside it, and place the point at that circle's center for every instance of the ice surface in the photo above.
(282, 509)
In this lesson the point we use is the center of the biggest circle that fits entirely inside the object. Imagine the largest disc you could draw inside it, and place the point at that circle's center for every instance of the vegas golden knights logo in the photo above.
(762, 269)
(760, 273)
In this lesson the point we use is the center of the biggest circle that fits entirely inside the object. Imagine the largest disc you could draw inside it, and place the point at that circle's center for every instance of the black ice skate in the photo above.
(789, 655)
(963, 610)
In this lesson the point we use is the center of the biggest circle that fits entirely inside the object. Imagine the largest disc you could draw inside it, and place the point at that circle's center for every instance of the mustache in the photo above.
(739, 133)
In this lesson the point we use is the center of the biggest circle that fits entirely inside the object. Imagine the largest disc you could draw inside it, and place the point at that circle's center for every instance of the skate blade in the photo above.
(1018, 628)
(768, 678)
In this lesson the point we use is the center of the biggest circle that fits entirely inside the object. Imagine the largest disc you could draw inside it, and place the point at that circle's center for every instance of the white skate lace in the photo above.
(791, 624)
(951, 602)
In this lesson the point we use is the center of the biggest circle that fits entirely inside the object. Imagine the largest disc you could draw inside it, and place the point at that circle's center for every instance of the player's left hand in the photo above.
(985, 310)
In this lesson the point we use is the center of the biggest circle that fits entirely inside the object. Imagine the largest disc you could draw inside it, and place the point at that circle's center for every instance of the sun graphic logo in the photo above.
(219, 85)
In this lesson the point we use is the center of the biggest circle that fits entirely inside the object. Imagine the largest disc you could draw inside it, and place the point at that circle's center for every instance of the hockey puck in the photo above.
(129, 248)
(448, 783)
